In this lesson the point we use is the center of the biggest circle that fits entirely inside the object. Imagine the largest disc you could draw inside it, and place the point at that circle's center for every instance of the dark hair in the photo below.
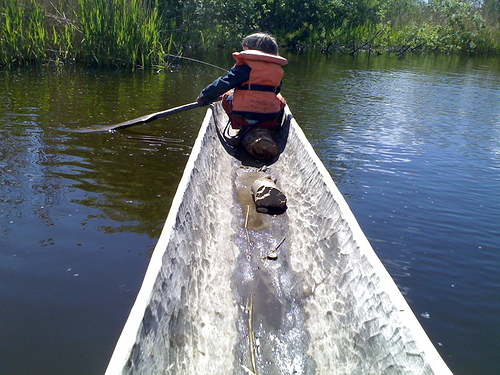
(262, 42)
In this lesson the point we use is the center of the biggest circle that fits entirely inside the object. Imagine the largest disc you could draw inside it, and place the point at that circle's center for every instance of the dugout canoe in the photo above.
(213, 300)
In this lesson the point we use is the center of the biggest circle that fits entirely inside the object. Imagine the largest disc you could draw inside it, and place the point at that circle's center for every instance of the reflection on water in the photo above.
(413, 144)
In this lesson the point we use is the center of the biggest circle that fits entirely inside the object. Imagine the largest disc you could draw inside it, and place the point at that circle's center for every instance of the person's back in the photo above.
(251, 90)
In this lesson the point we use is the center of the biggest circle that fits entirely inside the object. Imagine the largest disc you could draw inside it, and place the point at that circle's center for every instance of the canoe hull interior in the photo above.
(214, 301)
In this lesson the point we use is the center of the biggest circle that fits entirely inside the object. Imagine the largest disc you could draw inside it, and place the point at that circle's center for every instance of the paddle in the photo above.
(141, 120)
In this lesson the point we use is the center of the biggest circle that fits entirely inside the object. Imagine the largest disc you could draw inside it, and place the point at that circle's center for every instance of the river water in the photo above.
(412, 143)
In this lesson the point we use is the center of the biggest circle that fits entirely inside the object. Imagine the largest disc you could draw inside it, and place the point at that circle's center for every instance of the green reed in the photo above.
(98, 32)
(22, 32)
(122, 32)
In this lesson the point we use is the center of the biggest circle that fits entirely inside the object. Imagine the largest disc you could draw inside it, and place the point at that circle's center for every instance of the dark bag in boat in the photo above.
(260, 144)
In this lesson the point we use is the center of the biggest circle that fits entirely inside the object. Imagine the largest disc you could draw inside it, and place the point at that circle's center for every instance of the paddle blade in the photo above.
(140, 120)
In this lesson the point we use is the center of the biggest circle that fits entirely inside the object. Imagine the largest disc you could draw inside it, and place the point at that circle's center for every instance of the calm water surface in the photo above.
(413, 144)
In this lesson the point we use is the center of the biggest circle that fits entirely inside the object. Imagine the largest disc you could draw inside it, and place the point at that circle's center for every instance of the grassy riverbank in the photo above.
(96, 32)
(140, 33)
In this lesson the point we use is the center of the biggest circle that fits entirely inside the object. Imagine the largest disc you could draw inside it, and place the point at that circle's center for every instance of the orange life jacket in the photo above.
(258, 94)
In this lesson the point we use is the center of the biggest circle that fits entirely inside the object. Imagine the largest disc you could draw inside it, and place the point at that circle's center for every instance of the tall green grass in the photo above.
(121, 33)
(22, 31)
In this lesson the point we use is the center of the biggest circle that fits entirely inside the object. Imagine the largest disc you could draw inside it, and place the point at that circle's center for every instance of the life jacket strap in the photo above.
(255, 87)
(258, 117)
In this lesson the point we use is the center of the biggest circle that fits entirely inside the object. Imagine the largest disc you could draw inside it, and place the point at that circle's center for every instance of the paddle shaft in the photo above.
(143, 119)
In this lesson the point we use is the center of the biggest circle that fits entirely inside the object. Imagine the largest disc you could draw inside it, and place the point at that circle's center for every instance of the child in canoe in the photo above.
(251, 93)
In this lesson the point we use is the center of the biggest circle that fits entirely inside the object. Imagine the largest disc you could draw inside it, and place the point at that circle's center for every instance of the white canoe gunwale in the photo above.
(358, 321)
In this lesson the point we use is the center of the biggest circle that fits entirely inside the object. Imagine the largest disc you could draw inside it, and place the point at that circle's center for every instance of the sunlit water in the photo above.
(413, 144)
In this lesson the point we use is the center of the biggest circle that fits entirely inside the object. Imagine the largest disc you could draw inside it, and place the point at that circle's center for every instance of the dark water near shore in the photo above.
(413, 144)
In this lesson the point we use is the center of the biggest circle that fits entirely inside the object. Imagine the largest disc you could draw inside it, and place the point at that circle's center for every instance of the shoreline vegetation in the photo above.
(138, 34)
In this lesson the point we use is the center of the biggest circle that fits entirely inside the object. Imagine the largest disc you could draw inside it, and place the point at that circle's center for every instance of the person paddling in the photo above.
(251, 93)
